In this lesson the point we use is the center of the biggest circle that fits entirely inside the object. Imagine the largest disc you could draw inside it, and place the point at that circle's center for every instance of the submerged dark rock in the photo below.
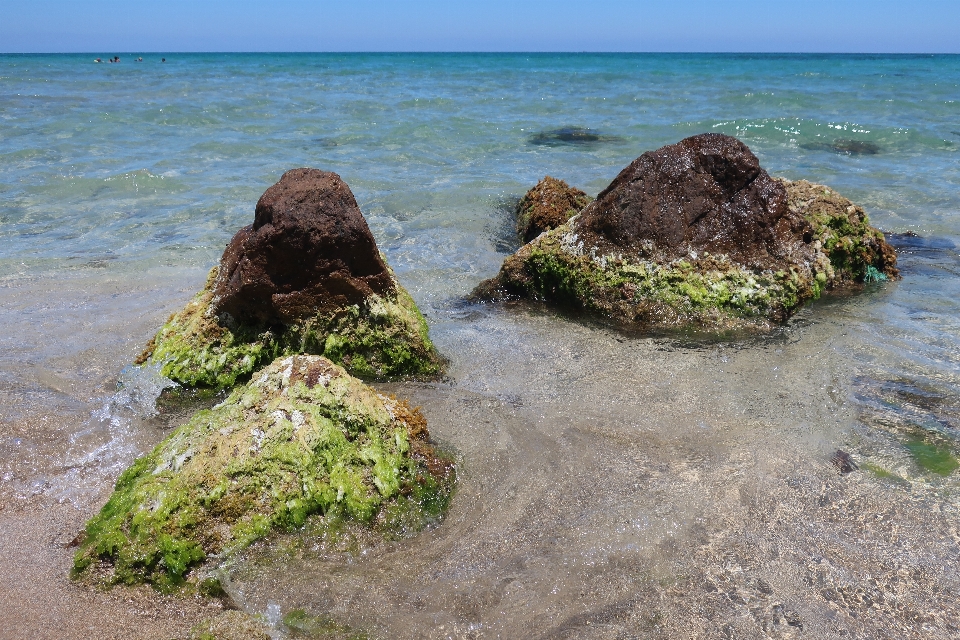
(843, 462)
(698, 233)
(547, 205)
(845, 147)
(570, 136)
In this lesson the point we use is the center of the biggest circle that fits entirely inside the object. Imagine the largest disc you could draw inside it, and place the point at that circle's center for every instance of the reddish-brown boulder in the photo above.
(704, 194)
(308, 250)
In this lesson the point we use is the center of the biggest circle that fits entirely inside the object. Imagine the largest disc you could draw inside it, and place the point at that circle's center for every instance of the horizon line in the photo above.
(504, 52)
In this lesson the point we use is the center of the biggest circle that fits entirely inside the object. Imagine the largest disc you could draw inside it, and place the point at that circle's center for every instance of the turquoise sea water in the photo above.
(120, 184)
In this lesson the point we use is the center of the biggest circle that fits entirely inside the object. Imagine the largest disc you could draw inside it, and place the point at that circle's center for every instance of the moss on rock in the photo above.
(849, 250)
(231, 625)
(383, 337)
(303, 438)
(548, 205)
(702, 290)
(303, 624)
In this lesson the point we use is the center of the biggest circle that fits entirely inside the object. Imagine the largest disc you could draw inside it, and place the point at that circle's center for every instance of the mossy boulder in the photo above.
(380, 338)
(697, 234)
(303, 438)
(548, 205)
(305, 277)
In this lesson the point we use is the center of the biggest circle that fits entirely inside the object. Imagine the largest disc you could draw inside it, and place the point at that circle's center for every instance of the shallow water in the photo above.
(613, 486)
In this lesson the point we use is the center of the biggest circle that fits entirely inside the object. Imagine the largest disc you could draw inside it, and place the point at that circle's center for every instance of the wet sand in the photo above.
(65, 343)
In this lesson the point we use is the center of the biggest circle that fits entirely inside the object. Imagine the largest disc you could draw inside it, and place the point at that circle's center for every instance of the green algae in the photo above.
(231, 625)
(883, 474)
(872, 274)
(303, 438)
(303, 624)
(932, 457)
(710, 291)
(383, 338)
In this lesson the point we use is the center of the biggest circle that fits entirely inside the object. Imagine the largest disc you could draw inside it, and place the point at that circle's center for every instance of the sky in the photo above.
(853, 26)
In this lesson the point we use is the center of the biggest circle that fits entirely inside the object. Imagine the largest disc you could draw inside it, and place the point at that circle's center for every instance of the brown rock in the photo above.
(548, 205)
(309, 249)
(698, 234)
(704, 194)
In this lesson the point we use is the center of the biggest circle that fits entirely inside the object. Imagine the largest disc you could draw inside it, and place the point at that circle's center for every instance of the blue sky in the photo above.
(930, 26)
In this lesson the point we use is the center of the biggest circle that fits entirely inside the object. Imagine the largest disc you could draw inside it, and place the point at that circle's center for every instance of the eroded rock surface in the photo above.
(697, 233)
(303, 438)
(704, 194)
(305, 277)
(548, 205)
(309, 249)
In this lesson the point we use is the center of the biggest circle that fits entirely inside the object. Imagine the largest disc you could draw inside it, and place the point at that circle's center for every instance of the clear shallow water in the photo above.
(613, 486)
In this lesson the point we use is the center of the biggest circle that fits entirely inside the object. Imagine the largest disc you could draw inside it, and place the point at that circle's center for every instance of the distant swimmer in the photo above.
(163, 59)
(116, 58)
(139, 59)
(97, 60)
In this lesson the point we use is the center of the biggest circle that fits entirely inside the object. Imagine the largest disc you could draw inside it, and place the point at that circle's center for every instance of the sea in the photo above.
(801, 483)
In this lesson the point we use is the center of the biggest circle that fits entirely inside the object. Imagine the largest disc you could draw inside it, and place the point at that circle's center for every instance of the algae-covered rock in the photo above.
(302, 438)
(305, 277)
(698, 234)
(842, 233)
(548, 205)
(231, 625)
(305, 625)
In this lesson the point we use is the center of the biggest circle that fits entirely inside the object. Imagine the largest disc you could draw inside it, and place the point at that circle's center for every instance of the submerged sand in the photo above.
(612, 486)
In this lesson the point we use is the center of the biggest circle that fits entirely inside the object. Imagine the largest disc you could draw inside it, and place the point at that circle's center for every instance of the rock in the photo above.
(571, 136)
(567, 135)
(855, 252)
(845, 147)
(305, 277)
(309, 249)
(697, 233)
(303, 438)
(549, 204)
(231, 625)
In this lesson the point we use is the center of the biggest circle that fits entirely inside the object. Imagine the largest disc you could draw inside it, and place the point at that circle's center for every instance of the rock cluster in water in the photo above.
(302, 438)
(694, 233)
(547, 205)
(305, 277)
(697, 233)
